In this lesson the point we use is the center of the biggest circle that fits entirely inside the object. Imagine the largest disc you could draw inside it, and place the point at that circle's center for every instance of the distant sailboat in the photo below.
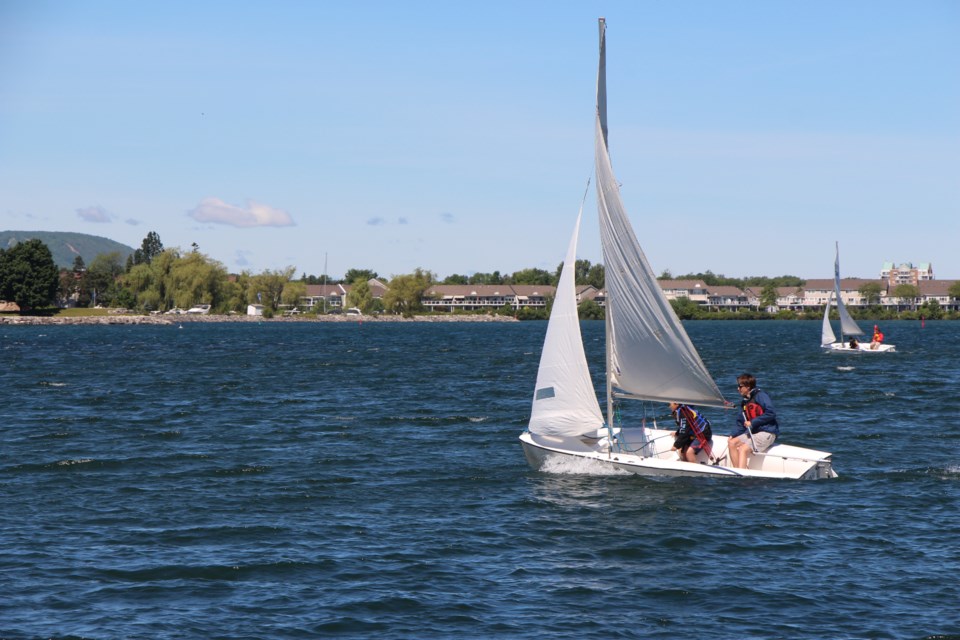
(848, 327)
(649, 358)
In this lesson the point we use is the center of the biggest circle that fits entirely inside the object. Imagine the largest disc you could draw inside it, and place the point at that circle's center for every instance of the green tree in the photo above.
(352, 275)
(269, 285)
(234, 293)
(360, 295)
(28, 275)
(685, 308)
(101, 277)
(196, 279)
(455, 279)
(532, 276)
(871, 293)
(954, 290)
(907, 293)
(931, 309)
(768, 296)
(486, 278)
(596, 276)
(590, 310)
(149, 249)
(293, 292)
(406, 291)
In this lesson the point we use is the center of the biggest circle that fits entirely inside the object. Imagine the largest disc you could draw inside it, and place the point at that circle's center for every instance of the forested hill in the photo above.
(66, 246)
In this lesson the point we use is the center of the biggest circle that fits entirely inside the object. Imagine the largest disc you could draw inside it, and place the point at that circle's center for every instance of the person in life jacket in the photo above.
(756, 415)
(877, 337)
(693, 432)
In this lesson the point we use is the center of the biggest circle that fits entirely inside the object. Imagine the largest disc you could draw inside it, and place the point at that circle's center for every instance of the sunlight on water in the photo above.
(579, 466)
(846, 368)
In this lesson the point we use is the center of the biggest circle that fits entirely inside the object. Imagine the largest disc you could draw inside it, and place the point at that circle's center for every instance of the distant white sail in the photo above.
(826, 335)
(847, 324)
(564, 400)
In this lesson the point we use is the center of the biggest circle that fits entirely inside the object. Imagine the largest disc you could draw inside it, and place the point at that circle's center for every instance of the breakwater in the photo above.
(131, 319)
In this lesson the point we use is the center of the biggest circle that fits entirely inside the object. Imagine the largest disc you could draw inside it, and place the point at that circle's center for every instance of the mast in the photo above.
(602, 119)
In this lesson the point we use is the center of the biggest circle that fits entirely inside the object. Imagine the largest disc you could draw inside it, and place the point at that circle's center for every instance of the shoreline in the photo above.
(123, 319)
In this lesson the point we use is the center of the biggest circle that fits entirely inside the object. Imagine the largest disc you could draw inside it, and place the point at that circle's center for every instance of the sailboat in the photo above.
(848, 326)
(649, 357)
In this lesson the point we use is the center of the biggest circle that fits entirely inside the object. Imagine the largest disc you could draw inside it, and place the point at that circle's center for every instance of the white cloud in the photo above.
(216, 211)
(94, 213)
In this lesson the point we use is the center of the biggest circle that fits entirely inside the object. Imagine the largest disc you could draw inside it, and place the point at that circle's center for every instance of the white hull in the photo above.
(780, 461)
(864, 347)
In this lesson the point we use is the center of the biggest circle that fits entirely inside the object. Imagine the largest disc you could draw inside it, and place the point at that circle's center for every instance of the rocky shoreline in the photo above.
(130, 319)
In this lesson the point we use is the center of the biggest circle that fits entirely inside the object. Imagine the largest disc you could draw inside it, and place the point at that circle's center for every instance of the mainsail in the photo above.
(565, 402)
(649, 355)
(847, 324)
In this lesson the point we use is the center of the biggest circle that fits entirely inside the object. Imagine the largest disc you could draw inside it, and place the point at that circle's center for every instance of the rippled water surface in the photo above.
(290, 480)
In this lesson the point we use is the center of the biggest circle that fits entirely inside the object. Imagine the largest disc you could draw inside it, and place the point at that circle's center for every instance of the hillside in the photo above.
(66, 246)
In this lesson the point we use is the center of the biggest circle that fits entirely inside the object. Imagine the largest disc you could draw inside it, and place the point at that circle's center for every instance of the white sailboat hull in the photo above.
(863, 347)
(781, 461)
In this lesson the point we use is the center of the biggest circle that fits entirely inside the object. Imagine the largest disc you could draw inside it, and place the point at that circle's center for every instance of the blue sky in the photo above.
(457, 137)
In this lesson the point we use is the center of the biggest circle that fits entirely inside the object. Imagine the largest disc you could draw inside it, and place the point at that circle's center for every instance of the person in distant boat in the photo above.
(877, 338)
(854, 343)
(693, 432)
(757, 416)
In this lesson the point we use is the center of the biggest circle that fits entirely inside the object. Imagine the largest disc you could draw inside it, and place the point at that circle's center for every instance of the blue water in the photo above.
(291, 480)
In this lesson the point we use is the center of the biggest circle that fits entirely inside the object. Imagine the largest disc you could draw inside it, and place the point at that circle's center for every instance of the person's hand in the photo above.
(747, 424)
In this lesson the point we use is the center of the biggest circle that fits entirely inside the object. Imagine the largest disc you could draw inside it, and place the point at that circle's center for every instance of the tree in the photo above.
(455, 279)
(267, 288)
(196, 279)
(406, 291)
(28, 275)
(149, 249)
(590, 310)
(293, 293)
(931, 309)
(360, 295)
(685, 308)
(907, 293)
(768, 296)
(871, 293)
(532, 276)
(101, 277)
(352, 275)
(486, 278)
(596, 277)
(954, 290)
